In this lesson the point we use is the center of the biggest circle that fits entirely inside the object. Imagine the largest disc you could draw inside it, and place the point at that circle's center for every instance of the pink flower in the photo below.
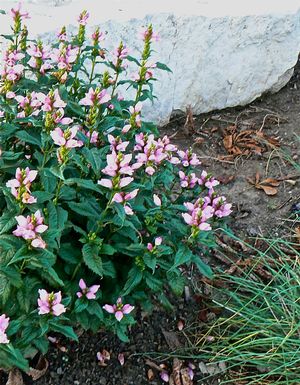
(207, 180)
(17, 15)
(148, 34)
(93, 136)
(157, 242)
(191, 369)
(123, 198)
(95, 97)
(65, 56)
(83, 18)
(88, 292)
(222, 209)
(20, 186)
(121, 358)
(10, 95)
(119, 310)
(106, 183)
(135, 114)
(116, 144)
(120, 54)
(51, 101)
(157, 200)
(98, 36)
(188, 158)
(2, 113)
(30, 227)
(188, 181)
(50, 303)
(164, 376)
(4, 322)
(66, 138)
(62, 35)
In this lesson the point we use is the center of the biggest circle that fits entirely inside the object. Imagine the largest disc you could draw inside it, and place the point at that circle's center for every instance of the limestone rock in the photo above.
(223, 53)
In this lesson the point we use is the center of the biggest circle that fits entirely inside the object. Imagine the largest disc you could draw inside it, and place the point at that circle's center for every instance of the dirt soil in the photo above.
(268, 130)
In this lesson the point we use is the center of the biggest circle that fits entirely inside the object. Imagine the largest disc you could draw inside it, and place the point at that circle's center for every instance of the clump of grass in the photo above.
(258, 334)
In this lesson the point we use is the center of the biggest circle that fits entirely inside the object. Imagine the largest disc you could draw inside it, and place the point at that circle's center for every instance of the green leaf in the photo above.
(31, 137)
(121, 333)
(135, 276)
(80, 305)
(93, 156)
(152, 282)
(56, 171)
(75, 107)
(176, 283)
(202, 267)
(20, 255)
(107, 249)
(183, 255)
(163, 67)
(42, 196)
(85, 209)
(92, 259)
(109, 269)
(85, 183)
(67, 331)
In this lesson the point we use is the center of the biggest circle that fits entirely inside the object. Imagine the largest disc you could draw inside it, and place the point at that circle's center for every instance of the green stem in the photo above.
(55, 200)
(92, 70)
(76, 270)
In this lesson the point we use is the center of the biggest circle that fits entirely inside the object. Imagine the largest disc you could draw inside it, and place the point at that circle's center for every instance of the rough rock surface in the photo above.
(222, 52)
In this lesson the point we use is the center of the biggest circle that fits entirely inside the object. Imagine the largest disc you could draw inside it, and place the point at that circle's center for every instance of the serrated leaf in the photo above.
(92, 259)
(135, 276)
(67, 331)
(202, 267)
(27, 137)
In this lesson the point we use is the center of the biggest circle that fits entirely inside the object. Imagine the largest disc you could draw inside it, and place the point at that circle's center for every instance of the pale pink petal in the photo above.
(109, 308)
(82, 284)
(105, 183)
(127, 309)
(119, 315)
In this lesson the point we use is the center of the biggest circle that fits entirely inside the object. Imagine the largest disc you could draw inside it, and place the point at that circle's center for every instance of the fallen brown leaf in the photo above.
(189, 125)
(268, 185)
(247, 141)
(171, 339)
(150, 375)
(15, 378)
(40, 369)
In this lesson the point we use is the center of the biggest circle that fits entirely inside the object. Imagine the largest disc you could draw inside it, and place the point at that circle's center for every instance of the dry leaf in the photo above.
(15, 378)
(247, 141)
(189, 125)
(175, 378)
(150, 375)
(297, 233)
(40, 369)
(185, 377)
(268, 185)
(171, 339)
(180, 325)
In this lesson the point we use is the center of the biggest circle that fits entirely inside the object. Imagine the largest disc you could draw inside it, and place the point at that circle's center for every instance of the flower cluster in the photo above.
(30, 228)
(202, 210)
(87, 292)
(119, 310)
(20, 186)
(90, 191)
(50, 303)
(151, 152)
(4, 322)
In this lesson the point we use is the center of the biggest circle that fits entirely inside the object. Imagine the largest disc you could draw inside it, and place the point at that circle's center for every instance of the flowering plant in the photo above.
(94, 208)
